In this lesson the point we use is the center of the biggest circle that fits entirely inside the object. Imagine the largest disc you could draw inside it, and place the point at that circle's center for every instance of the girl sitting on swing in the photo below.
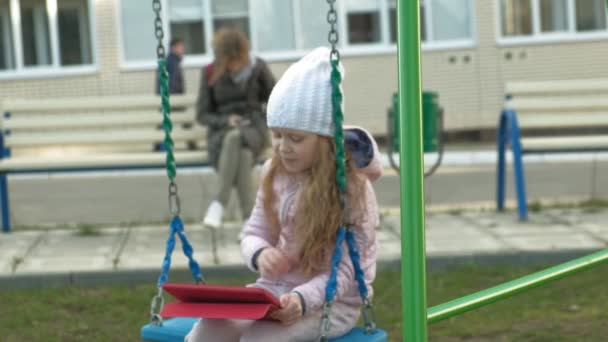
(290, 236)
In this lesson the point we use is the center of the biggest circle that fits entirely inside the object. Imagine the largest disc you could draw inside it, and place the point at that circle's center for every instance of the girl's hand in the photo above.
(272, 262)
(290, 311)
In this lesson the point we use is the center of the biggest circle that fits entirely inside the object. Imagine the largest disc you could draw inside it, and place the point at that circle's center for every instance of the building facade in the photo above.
(64, 48)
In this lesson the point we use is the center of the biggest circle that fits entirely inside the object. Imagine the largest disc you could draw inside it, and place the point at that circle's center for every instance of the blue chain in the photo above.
(353, 251)
(177, 227)
(332, 282)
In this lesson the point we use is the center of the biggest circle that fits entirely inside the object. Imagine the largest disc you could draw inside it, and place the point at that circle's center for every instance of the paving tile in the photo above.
(14, 246)
(65, 243)
(465, 245)
(491, 219)
(390, 250)
(146, 261)
(597, 230)
(445, 221)
(386, 237)
(73, 263)
(532, 230)
(230, 255)
(67, 251)
(146, 247)
(464, 231)
(554, 242)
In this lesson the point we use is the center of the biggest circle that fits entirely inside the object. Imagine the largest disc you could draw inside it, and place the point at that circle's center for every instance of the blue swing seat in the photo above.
(174, 330)
(358, 335)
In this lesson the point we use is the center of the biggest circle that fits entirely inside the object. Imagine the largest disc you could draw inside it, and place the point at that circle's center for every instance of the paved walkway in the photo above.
(65, 253)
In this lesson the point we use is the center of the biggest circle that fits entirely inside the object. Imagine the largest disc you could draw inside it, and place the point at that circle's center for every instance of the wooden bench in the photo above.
(97, 133)
(549, 117)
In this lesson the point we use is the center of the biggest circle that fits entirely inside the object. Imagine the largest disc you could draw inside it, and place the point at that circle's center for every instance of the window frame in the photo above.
(432, 45)
(539, 37)
(55, 69)
(7, 38)
(384, 46)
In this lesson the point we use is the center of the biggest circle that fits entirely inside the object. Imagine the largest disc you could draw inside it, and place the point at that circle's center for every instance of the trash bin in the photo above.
(430, 117)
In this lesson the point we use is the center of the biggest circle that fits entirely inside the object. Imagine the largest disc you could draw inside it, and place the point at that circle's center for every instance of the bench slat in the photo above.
(565, 142)
(558, 86)
(563, 120)
(96, 103)
(45, 122)
(102, 137)
(557, 104)
(100, 161)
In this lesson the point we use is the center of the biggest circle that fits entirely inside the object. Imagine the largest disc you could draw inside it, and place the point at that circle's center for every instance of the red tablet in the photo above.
(219, 302)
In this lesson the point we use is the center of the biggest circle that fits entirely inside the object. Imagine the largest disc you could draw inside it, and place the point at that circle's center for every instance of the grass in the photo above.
(589, 206)
(88, 230)
(572, 309)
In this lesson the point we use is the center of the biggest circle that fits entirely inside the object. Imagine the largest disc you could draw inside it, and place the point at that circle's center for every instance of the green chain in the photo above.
(163, 78)
(336, 99)
(338, 117)
(167, 124)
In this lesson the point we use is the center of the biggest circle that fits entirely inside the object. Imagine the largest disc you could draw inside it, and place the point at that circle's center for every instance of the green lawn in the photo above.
(572, 309)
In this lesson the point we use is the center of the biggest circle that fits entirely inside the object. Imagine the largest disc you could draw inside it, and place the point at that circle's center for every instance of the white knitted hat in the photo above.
(301, 100)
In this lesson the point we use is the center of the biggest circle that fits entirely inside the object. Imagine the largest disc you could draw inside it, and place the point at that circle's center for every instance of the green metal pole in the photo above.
(487, 296)
(413, 269)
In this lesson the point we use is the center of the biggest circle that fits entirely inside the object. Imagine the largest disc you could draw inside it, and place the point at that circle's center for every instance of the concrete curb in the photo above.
(132, 277)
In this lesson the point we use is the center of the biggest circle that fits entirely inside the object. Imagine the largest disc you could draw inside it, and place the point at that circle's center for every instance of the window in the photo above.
(363, 21)
(545, 18)
(188, 23)
(516, 17)
(313, 25)
(6, 40)
(451, 19)
(280, 28)
(35, 35)
(74, 33)
(138, 40)
(553, 15)
(441, 21)
(42, 36)
(231, 13)
(590, 15)
(193, 21)
(274, 32)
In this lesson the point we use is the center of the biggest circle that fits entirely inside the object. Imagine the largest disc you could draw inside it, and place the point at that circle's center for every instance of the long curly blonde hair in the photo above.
(319, 214)
(228, 45)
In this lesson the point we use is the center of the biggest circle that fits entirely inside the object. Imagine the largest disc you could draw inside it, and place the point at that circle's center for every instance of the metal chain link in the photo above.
(174, 202)
(158, 29)
(325, 322)
(155, 307)
(369, 317)
(332, 36)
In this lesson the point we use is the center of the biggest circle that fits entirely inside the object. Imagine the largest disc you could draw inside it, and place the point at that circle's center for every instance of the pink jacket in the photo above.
(256, 235)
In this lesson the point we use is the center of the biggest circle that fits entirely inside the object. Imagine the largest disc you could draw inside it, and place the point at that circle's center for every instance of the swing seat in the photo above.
(172, 330)
(176, 329)
(358, 335)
